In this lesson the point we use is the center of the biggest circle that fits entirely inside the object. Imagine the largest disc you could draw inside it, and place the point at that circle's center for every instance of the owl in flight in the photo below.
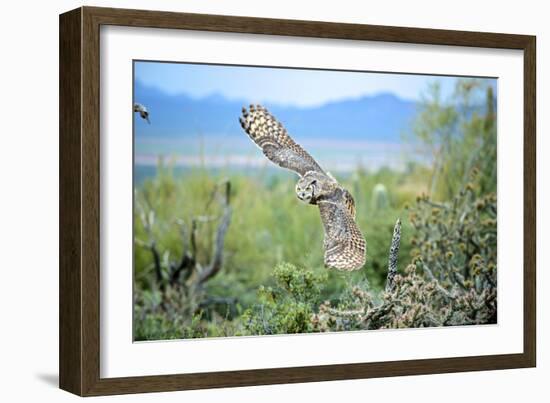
(345, 246)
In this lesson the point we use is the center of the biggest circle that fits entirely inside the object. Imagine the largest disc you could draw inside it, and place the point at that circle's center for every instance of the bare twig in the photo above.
(193, 237)
(217, 253)
(434, 204)
(187, 263)
(157, 264)
(438, 286)
(345, 313)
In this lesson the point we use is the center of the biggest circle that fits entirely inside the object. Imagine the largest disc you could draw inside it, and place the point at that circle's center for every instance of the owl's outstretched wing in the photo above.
(345, 246)
(276, 144)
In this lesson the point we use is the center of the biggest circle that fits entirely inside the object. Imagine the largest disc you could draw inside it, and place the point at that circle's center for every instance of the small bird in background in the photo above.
(143, 112)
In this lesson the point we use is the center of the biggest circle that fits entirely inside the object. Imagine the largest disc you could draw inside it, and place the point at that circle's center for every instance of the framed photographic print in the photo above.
(249, 201)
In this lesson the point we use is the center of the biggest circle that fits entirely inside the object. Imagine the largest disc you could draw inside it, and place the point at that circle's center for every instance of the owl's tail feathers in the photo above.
(347, 256)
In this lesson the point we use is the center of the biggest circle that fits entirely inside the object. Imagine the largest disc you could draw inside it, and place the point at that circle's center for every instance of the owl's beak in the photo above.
(303, 197)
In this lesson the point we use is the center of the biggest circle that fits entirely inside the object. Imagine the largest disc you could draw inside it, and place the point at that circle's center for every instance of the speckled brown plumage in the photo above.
(344, 244)
(275, 142)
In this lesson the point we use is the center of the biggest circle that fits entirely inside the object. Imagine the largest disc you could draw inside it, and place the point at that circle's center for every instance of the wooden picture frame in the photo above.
(79, 347)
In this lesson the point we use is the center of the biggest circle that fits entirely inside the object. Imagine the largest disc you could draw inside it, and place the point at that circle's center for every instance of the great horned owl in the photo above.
(143, 112)
(344, 245)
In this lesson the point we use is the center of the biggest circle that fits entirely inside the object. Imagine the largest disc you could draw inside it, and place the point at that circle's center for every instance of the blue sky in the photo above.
(286, 87)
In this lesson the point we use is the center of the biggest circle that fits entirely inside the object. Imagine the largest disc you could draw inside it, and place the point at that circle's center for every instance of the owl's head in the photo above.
(309, 187)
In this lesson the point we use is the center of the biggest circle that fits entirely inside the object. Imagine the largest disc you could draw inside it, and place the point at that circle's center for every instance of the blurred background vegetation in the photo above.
(222, 253)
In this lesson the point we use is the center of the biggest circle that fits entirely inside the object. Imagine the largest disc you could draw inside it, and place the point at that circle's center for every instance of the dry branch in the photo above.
(216, 260)
(187, 272)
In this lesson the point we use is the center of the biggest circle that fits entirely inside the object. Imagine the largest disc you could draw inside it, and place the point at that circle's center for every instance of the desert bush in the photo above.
(176, 299)
(287, 306)
(451, 279)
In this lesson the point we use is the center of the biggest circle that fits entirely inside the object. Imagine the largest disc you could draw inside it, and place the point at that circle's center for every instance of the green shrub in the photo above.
(288, 306)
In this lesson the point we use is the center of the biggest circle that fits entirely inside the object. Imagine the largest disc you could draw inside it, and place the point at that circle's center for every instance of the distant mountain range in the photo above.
(380, 118)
